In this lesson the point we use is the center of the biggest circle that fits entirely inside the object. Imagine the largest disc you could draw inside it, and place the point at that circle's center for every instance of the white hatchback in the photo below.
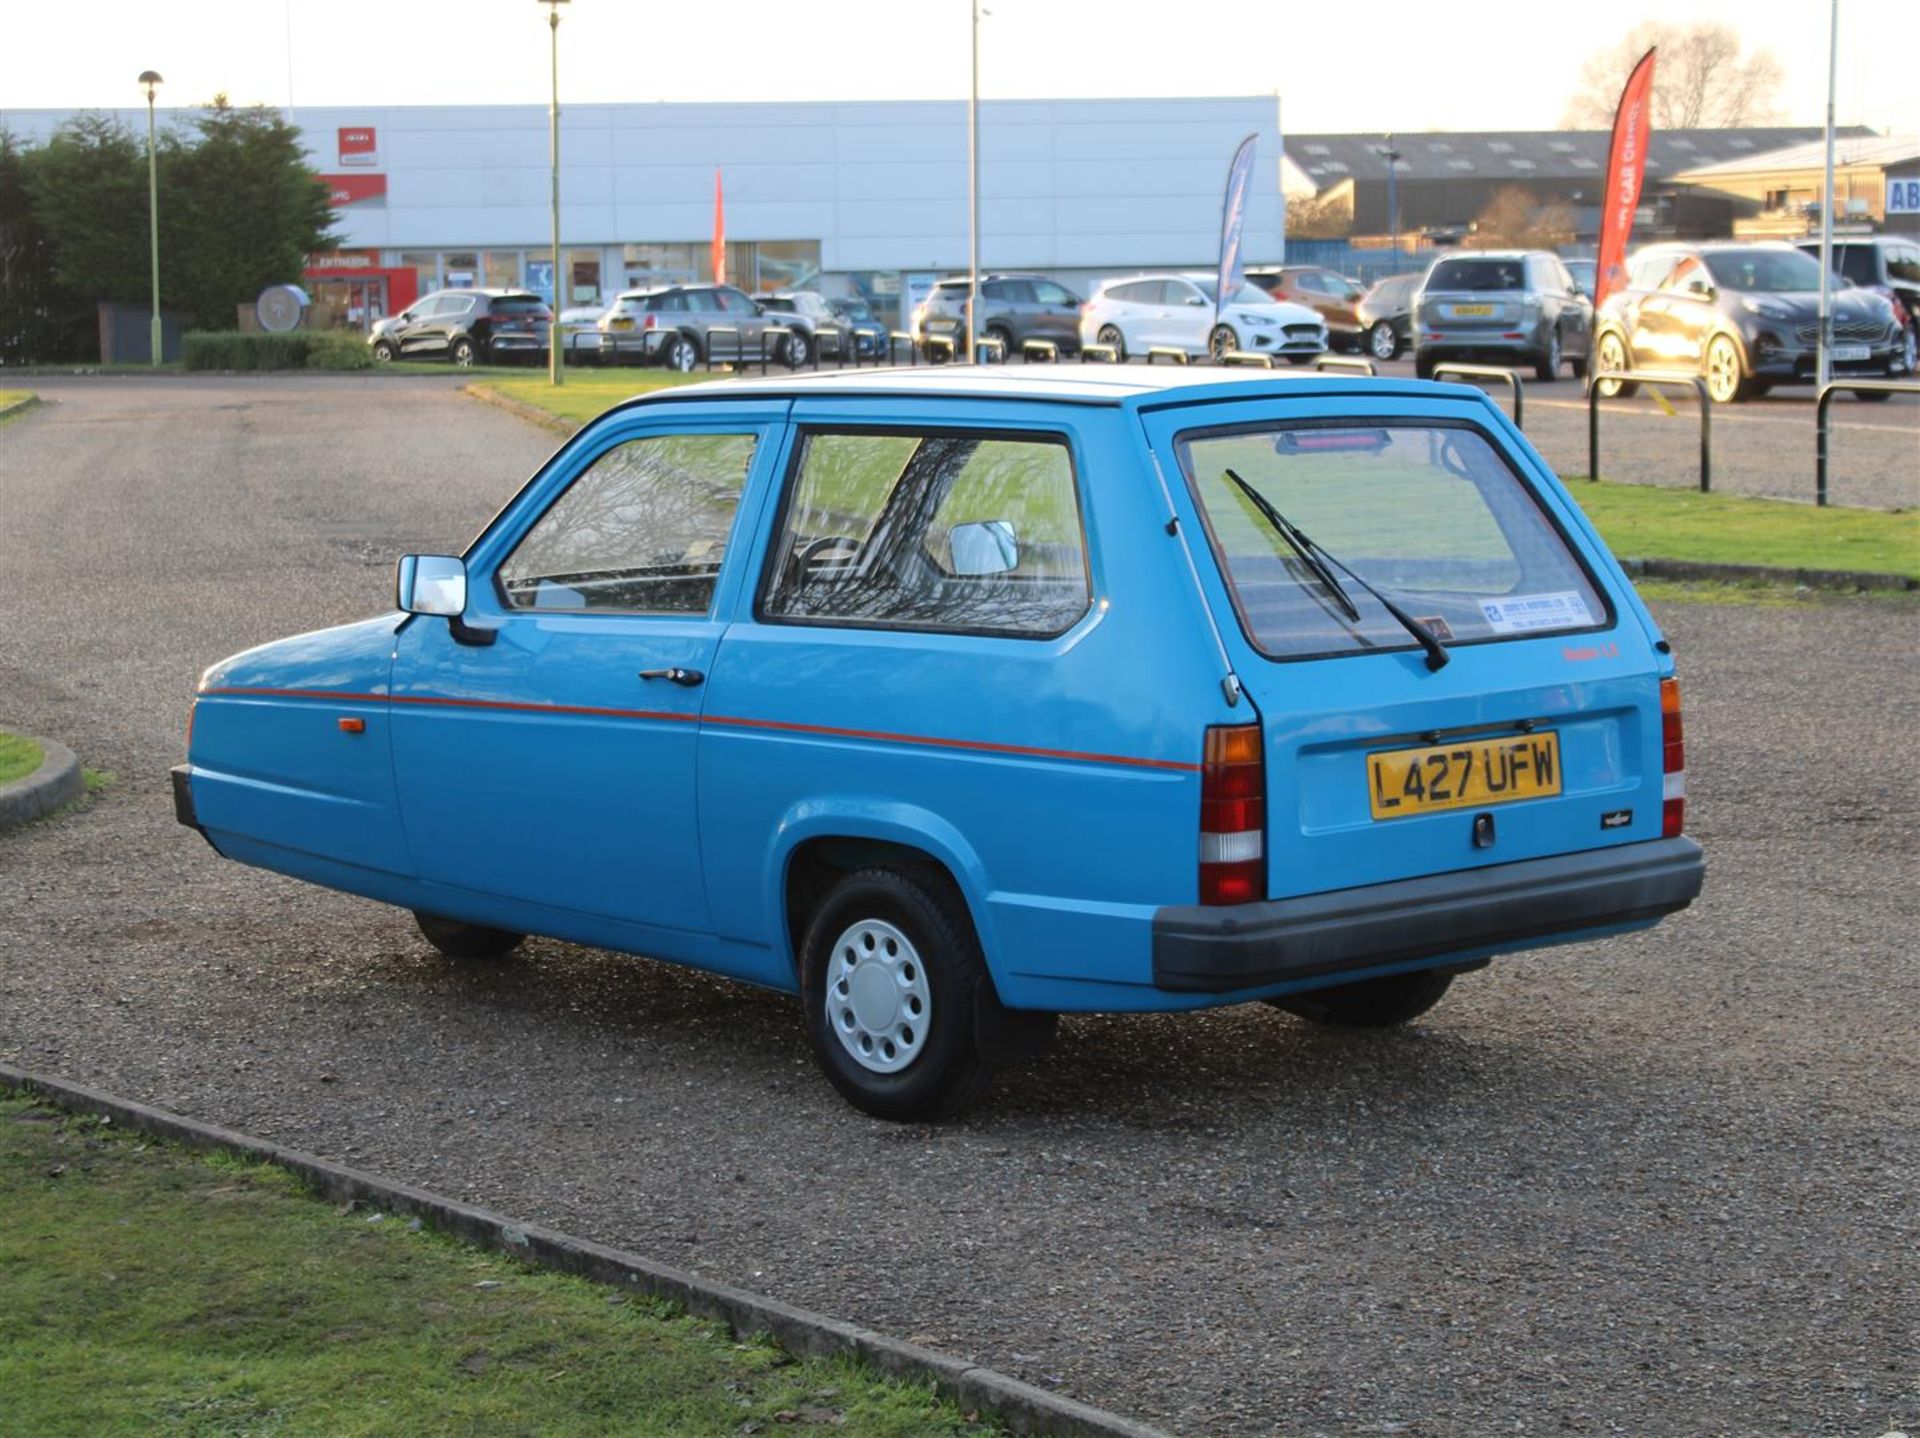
(1144, 312)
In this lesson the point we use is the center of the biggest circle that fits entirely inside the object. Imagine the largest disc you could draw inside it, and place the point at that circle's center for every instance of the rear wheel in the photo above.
(1546, 366)
(1221, 342)
(464, 352)
(459, 940)
(1372, 1003)
(889, 974)
(799, 349)
(1005, 336)
(1610, 357)
(1424, 365)
(1110, 335)
(680, 355)
(1383, 340)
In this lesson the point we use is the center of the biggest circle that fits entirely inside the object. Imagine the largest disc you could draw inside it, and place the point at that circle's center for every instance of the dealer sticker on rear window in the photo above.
(1526, 612)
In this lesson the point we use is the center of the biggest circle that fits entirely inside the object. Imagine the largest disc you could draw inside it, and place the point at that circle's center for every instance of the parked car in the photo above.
(1143, 312)
(1889, 266)
(1334, 297)
(1386, 316)
(807, 310)
(674, 325)
(580, 339)
(1585, 274)
(1502, 307)
(1013, 310)
(856, 316)
(898, 690)
(1744, 315)
(467, 326)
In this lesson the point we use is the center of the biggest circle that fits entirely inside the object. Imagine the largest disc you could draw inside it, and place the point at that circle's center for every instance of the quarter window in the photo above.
(954, 532)
(642, 531)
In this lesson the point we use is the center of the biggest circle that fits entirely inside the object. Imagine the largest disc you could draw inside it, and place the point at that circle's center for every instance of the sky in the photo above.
(1403, 65)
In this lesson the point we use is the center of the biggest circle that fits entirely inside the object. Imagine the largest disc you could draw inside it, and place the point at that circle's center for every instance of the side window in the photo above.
(1904, 264)
(951, 532)
(1048, 293)
(674, 303)
(642, 531)
(1645, 272)
(734, 302)
(1130, 294)
(1310, 282)
(1688, 276)
(1015, 292)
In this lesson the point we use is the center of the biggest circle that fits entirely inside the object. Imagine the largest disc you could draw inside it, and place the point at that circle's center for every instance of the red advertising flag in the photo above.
(1626, 166)
(719, 234)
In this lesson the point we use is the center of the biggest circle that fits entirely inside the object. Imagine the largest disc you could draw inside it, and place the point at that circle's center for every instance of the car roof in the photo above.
(1097, 385)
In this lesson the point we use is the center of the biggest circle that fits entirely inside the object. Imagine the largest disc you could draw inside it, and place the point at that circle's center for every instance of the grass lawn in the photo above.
(1641, 522)
(144, 1289)
(587, 394)
(18, 757)
(10, 397)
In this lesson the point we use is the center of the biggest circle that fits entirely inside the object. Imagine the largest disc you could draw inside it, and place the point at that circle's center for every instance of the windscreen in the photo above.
(1430, 515)
(1465, 274)
(1764, 271)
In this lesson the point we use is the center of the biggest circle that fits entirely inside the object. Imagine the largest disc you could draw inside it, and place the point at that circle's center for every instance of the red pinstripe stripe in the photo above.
(983, 746)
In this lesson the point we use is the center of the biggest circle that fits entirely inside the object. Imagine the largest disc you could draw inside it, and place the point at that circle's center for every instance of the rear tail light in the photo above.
(1673, 766)
(1233, 816)
(650, 321)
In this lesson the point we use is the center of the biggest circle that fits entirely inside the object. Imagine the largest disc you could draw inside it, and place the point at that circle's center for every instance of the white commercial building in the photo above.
(867, 195)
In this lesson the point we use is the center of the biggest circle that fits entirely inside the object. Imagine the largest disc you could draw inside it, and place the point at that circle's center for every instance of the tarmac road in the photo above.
(1659, 1185)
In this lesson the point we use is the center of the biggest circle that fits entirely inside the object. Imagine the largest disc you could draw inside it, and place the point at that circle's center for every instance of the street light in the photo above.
(1392, 157)
(553, 151)
(973, 197)
(151, 79)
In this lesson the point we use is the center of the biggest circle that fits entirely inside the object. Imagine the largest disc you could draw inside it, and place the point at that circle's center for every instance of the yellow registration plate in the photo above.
(1470, 774)
(1464, 311)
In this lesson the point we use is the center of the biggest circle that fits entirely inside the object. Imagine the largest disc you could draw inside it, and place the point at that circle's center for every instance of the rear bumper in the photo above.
(1217, 950)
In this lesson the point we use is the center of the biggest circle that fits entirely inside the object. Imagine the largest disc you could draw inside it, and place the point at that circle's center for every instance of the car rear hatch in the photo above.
(1541, 731)
(1476, 293)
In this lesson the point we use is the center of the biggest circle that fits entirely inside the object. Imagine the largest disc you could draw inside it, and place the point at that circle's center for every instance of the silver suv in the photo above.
(1502, 307)
(1013, 310)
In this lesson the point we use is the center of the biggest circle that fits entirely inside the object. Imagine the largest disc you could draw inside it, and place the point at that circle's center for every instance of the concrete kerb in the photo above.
(1841, 579)
(1023, 1408)
(532, 414)
(57, 781)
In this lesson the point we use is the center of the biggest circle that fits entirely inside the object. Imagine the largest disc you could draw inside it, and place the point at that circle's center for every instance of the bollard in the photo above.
(1634, 376)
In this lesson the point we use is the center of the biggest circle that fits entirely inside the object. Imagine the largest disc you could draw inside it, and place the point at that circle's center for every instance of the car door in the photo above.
(1185, 317)
(544, 745)
(417, 332)
(1576, 310)
(745, 316)
(1687, 316)
(1056, 314)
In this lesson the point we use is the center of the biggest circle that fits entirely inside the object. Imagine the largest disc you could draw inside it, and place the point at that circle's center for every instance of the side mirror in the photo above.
(431, 584)
(983, 549)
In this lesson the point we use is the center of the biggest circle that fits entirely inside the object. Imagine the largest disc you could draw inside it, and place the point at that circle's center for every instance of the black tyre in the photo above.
(459, 940)
(1610, 356)
(1372, 1003)
(464, 352)
(1423, 365)
(1111, 335)
(1726, 373)
(1546, 364)
(1221, 342)
(384, 352)
(889, 976)
(1005, 336)
(798, 349)
(1872, 396)
(680, 354)
(1383, 340)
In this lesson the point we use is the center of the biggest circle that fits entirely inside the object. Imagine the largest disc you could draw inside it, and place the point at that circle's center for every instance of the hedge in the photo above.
(300, 349)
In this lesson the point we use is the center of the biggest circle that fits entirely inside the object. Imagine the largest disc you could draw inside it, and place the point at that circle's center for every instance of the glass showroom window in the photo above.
(462, 269)
(785, 264)
(426, 269)
(583, 277)
(502, 269)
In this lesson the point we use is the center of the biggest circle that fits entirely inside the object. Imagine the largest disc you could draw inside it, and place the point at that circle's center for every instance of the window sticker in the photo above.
(1526, 612)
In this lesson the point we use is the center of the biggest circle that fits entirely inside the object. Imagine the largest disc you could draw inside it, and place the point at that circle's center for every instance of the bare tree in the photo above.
(1699, 79)
(1513, 219)
(1325, 216)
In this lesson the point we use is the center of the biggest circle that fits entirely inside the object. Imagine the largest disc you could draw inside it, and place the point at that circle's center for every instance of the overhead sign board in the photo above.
(1903, 194)
(344, 190)
(358, 145)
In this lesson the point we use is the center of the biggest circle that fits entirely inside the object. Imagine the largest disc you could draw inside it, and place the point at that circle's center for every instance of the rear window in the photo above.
(1431, 515)
(519, 305)
(1464, 274)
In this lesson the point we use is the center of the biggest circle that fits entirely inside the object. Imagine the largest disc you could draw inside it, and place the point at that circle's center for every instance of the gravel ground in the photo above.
(1763, 447)
(1660, 1185)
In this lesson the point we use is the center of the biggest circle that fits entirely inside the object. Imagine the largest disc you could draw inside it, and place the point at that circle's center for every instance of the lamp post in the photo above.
(554, 372)
(151, 79)
(973, 195)
(1392, 157)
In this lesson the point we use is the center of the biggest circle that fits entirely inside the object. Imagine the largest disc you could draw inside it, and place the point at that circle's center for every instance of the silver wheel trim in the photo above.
(878, 1002)
(796, 350)
(382, 355)
(1613, 356)
(463, 356)
(1723, 369)
(1912, 349)
(1382, 340)
(1221, 340)
(681, 356)
(1553, 349)
(1118, 340)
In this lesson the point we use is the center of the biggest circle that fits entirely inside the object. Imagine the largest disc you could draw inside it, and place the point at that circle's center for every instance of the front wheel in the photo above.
(1371, 1003)
(1610, 357)
(1111, 335)
(680, 355)
(889, 975)
(1222, 342)
(799, 349)
(1424, 366)
(459, 940)
(1727, 382)
(1383, 340)
(384, 353)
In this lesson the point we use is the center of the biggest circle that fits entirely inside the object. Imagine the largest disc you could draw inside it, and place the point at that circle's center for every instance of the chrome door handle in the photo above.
(686, 678)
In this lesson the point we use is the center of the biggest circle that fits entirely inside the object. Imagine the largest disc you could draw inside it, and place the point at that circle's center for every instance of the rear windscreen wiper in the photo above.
(1318, 560)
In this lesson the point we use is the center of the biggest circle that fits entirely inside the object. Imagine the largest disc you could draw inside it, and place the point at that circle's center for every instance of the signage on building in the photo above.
(343, 190)
(1903, 195)
(343, 260)
(357, 145)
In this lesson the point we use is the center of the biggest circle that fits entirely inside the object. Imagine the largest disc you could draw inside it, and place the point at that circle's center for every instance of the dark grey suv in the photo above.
(1013, 310)
(1889, 265)
(1502, 307)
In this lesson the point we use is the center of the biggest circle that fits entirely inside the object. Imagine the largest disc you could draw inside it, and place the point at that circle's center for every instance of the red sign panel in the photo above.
(343, 190)
(357, 145)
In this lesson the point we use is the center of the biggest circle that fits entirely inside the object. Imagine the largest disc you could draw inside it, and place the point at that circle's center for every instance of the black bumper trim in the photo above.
(181, 775)
(1199, 949)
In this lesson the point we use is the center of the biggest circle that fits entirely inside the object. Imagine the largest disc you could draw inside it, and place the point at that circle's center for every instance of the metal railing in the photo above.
(1099, 354)
(947, 345)
(993, 343)
(1247, 357)
(1039, 351)
(1169, 352)
(770, 339)
(1347, 362)
(1485, 371)
(707, 338)
(1669, 381)
(820, 334)
(1827, 392)
(896, 338)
